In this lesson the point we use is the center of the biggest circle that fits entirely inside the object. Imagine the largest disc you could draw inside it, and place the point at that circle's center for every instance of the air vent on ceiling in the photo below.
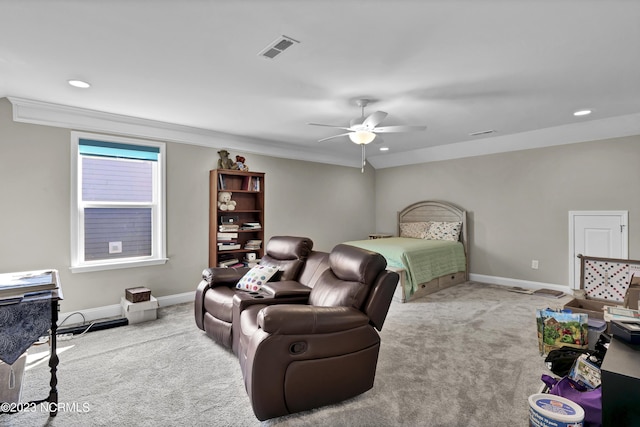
(277, 47)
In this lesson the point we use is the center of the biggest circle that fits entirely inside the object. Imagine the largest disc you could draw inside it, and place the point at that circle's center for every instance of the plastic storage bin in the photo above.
(596, 327)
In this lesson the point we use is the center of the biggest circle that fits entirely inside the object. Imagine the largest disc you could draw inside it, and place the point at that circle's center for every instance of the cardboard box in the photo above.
(591, 307)
(632, 297)
(11, 386)
(139, 294)
(137, 312)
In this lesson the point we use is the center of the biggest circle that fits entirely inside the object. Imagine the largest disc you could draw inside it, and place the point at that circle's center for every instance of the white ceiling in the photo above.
(517, 67)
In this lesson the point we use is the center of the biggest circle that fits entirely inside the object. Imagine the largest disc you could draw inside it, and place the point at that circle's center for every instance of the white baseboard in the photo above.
(177, 299)
(115, 310)
(526, 284)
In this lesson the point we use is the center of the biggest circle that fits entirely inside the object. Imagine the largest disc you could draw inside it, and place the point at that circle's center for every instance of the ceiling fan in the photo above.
(363, 131)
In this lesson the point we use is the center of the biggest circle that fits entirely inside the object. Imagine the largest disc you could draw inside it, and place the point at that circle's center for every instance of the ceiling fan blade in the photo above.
(392, 129)
(334, 136)
(329, 126)
(374, 119)
(355, 122)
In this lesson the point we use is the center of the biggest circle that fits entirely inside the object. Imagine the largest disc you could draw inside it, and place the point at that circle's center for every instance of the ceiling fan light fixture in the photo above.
(362, 137)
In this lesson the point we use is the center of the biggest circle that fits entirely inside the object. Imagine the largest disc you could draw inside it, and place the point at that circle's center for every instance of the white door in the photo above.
(602, 234)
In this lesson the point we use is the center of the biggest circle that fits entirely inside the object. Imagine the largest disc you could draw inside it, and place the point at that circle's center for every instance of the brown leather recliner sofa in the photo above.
(215, 292)
(307, 342)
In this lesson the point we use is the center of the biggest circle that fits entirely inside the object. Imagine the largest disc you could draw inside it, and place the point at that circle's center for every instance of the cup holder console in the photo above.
(257, 295)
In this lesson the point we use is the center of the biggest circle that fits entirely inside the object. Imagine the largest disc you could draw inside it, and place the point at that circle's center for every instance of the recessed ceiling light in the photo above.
(582, 113)
(384, 148)
(79, 83)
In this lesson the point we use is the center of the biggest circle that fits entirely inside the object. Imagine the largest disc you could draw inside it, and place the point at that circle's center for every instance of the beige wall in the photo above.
(329, 204)
(518, 206)
(518, 202)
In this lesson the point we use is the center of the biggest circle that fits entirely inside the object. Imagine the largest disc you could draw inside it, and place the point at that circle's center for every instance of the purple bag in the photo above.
(589, 400)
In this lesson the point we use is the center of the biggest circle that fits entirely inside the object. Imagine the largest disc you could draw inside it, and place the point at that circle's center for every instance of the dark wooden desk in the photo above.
(54, 296)
(621, 385)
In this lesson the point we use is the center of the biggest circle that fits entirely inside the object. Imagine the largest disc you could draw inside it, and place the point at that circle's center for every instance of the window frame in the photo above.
(158, 208)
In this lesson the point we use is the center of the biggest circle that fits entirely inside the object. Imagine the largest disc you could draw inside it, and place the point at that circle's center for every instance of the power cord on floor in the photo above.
(65, 337)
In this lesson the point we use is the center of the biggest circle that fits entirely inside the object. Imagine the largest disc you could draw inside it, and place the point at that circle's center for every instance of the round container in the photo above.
(546, 410)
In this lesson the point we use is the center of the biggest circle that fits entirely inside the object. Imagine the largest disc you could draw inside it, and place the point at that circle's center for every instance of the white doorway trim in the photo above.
(624, 221)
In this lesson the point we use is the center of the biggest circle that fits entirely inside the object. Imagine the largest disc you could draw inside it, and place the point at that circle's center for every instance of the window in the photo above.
(117, 195)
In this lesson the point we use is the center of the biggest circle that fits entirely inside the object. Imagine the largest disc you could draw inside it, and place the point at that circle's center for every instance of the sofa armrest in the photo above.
(218, 276)
(286, 288)
(243, 299)
(289, 319)
(198, 307)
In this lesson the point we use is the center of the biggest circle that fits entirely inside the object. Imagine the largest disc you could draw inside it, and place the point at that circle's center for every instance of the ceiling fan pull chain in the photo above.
(364, 161)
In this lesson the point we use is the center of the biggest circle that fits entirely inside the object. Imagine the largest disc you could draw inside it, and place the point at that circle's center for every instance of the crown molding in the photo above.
(75, 118)
(592, 130)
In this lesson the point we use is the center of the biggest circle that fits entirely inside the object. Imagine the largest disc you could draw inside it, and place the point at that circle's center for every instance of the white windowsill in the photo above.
(114, 266)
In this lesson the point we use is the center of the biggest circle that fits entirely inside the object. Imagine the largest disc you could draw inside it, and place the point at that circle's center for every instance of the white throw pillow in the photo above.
(256, 277)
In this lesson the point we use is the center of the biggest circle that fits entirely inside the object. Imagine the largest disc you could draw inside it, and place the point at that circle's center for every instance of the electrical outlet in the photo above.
(534, 264)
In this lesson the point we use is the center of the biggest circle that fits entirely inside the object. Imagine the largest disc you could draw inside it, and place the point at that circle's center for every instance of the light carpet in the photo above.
(465, 356)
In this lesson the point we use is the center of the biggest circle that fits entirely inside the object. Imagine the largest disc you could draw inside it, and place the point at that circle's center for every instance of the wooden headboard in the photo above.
(432, 210)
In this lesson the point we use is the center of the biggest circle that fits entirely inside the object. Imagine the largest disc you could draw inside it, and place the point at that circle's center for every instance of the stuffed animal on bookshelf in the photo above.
(224, 201)
(224, 162)
(240, 164)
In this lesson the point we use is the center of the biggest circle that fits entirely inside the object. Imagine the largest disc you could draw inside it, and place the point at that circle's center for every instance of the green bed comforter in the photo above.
(423, 260)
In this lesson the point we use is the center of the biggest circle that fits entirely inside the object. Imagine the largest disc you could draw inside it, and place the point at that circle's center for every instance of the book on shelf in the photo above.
(246, 183)
(253, 244)
(228, 262)
(228, 247)
(251, 262)
(228, 227)
(251, 183)
(251, 226)
(14, 285)
(227, 237)
(221, 182)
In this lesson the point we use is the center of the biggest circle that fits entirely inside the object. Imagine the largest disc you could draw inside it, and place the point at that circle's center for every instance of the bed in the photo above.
(427, 255)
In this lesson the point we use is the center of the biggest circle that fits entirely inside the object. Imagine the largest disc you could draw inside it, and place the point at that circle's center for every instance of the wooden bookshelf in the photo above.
(247, 190)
